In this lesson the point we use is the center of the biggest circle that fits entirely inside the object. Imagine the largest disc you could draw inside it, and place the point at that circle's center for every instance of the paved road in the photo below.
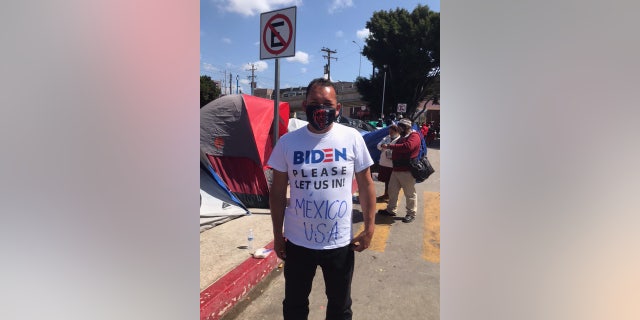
(398, 277)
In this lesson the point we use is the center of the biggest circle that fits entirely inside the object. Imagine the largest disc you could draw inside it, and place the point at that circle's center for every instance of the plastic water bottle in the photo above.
(250, 238)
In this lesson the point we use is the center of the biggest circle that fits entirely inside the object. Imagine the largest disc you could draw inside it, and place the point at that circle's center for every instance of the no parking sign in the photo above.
(278, 33)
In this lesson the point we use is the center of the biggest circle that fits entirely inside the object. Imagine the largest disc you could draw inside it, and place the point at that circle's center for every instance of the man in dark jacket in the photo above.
(407, 147)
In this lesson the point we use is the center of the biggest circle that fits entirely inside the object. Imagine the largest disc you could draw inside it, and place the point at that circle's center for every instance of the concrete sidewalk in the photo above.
(227, 269)
(228, 272)
(398, 277)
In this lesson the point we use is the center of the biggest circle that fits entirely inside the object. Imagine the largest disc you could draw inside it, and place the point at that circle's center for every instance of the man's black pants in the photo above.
(299, 270)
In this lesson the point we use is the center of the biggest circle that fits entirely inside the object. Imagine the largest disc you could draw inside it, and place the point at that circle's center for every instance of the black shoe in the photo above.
(386, 213)
(408, 218)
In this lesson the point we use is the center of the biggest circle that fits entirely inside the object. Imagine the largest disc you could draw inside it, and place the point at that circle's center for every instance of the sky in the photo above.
(230, 39)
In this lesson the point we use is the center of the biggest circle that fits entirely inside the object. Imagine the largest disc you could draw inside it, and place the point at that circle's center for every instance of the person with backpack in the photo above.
(405, 148)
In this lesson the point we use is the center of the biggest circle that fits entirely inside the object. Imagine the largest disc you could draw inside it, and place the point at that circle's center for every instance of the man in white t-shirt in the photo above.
(318, 163)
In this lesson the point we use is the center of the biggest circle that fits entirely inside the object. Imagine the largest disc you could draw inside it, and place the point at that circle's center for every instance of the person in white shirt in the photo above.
(314, 228)
(385, 164)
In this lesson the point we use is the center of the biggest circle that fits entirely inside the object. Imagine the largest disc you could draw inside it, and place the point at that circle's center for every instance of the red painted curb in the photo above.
(223, 294)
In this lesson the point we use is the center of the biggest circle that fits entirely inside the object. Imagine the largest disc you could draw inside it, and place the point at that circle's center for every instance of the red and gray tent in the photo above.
(236, 137)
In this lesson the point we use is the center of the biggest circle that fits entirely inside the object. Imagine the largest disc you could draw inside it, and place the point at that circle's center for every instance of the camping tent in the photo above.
(295, 123)
(236, 137)
(217, 203)
(371, 139)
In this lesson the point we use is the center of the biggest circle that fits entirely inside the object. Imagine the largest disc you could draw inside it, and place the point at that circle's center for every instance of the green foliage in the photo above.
(208, 90)
(408, 44)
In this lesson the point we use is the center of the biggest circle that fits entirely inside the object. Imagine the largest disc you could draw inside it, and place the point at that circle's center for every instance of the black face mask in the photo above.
(402, 131)
(320, 117)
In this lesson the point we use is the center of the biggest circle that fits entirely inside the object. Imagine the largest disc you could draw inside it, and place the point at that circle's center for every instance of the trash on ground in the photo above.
(261, 253)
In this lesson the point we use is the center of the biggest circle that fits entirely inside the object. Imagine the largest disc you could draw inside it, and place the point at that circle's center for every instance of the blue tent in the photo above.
(372, 138)
(217, 203)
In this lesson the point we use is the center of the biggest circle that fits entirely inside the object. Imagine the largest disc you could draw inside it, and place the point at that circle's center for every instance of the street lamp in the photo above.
(360, 65)
(384, 85)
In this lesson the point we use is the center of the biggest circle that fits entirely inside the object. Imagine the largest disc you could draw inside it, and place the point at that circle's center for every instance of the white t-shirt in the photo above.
(320, 168)
(385, 155)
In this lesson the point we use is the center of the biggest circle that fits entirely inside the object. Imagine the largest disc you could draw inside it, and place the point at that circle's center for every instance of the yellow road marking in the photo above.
(381, 233)
(431, 237)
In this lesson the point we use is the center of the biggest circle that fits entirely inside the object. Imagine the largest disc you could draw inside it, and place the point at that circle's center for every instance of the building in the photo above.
(352, 104)
(432, 114)
(348, 96)
(263, 93)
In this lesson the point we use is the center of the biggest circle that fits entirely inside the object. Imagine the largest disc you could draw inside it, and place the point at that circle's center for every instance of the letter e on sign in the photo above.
(278, 33)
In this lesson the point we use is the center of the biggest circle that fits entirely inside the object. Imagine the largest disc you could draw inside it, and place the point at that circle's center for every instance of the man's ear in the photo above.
(338, 107)
(304, 104)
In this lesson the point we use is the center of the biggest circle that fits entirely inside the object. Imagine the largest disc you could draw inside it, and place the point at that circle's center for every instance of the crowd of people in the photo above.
(405, 148)
(430, 131)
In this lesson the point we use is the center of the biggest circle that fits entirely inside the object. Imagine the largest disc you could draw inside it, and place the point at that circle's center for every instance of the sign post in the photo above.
(277, 40)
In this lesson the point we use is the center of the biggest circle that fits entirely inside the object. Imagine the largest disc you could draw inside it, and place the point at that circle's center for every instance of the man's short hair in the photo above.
(320, 82)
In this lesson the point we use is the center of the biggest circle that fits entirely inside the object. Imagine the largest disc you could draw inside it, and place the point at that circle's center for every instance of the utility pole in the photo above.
(224, 83)
(252, 77)
(360, 65)
(230, 82)
(328, 56)
(237, 85)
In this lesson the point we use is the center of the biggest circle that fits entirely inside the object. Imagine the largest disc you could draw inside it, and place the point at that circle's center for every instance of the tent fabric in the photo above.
(260, 113)
(236, 136)
(241, 174)
(371, 139)
(295, 123)
(240, 126)
(217, 203)
(224, 129)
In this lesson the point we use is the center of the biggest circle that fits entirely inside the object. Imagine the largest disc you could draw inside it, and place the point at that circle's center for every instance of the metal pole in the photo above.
(384, 86)
(276, 117)
(360, 65)
(252, 77)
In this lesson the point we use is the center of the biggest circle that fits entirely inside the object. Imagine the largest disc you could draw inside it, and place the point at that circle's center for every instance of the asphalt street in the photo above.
(398, 277)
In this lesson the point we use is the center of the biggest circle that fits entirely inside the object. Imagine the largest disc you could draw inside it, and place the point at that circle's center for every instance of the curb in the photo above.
(226, 292)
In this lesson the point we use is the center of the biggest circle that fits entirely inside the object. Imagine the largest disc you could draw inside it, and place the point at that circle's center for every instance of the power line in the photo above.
(224, 83)
(328, 65)
(252, 77)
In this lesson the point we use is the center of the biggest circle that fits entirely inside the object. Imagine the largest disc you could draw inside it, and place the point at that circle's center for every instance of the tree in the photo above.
(405, 46)
(208, 90)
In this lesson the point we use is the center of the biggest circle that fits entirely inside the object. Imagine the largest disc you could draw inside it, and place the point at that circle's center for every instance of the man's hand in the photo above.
(362, 241)
(368, 204)
(279, 247)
